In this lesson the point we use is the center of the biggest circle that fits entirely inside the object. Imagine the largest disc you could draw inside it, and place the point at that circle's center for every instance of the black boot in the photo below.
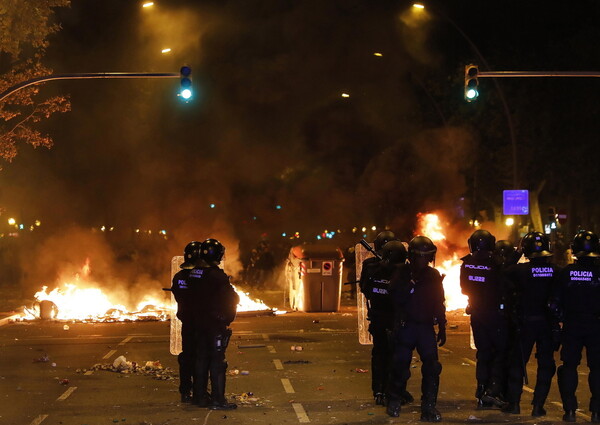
(569, 416)
(186, 398)
(379, 399)
(430, 414)
(393, 408)
(203, 401)
(538, 410)
(494, 399)
(513, 408)
(406, 398)
(596, 417)
(482, 405)
(217, 384)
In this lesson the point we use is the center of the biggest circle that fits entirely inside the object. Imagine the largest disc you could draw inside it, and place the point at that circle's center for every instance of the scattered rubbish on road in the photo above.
(452, 326)
(153, 369)
(244, 372)
(316, 321)
(473, 418)
(296, 348)
(320, 388)
(64, 381)
(43, 359)
(296, 362)
(53, 364)
(66, 327)
(359, 370)
(465, 364)
(233, 372)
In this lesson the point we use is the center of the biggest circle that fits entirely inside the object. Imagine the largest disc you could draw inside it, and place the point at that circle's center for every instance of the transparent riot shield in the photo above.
(175, 335)
(364, 337)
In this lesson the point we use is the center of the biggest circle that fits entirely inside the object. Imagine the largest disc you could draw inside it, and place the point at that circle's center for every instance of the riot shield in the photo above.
(364, 337)
(175, 334)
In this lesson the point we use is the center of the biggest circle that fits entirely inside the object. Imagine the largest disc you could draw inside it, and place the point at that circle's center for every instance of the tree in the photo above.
(25, 26)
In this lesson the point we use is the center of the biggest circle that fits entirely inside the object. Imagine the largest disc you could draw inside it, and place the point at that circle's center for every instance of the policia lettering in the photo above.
(208, 305)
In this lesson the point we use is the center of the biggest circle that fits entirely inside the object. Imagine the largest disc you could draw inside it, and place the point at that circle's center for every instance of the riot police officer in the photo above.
(375, 286)
(215, 303)
(185, 308)
(418, 299)
(578, 299)
(482, 281)
(531, 286)
(505, 254)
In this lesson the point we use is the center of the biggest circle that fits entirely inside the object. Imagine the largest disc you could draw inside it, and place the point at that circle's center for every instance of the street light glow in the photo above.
(418, 6)
(510, 221)
(12, 221)
(167, 50)
(377, 54)
(345, 95)
(148, 4)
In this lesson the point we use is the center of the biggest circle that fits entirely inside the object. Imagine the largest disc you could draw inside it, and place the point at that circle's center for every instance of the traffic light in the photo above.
(471, 82)
(185, 82)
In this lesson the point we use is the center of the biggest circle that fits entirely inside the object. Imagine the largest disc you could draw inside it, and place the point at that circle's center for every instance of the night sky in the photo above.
(268, 125)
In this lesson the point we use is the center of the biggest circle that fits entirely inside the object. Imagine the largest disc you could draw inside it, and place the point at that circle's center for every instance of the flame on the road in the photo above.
(248, 304)
(431, 226)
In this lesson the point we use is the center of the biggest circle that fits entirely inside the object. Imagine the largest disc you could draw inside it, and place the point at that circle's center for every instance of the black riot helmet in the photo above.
(481, 241)
(394, 252)
(421, 246)
(212, 251)
(382, 238)
(585, 244)
(535, 245)
(190, 255)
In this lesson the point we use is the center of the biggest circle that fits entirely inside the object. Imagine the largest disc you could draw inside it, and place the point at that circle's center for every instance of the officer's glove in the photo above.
(441, 336)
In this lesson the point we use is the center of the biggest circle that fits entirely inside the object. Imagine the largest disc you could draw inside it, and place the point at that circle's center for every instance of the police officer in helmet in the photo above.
(215, 303)
(482, 281)
(375, 286)
(577, 304)
(531, 287)
(505, 253)
(185, 312)
(418, 300)
(378, 315)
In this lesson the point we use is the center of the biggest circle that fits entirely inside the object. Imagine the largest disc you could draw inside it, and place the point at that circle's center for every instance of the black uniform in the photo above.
(579, 300)
(374, 284)
(482, 281)
(185, 313)
(215, 302)
(532, 285)
(418, 301)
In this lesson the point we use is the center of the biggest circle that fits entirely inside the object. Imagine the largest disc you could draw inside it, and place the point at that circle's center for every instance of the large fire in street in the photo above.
(447, 263)
(82, 300)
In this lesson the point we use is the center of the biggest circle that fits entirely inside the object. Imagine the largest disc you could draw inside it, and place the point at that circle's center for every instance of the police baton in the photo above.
(370, 248)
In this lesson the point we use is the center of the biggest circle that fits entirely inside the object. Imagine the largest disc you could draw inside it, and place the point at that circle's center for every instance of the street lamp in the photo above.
(148, 4)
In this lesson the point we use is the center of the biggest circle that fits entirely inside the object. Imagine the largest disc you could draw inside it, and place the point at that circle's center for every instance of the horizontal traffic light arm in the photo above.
(81, 76)
(497, 74)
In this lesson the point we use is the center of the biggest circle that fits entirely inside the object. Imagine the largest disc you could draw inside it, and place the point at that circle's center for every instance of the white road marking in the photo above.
(265, 337)
(125, 341)
(271, 349)
(66, 394)
(287, 386)
(469, 361)
(278, 364)
(526, 388)
(444, 349)
(89, 372)
(577, 412)
(39, 420)
(109, 354)
(300, 413)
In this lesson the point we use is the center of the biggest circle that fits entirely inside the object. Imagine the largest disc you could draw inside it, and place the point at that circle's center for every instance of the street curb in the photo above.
(6, 320)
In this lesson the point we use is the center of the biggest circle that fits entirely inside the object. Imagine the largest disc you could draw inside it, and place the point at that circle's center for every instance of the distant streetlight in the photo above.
(345, 95)
(12, 221)
(377, 54)
(148, 4)
(418, 6)
(510, 221)
(167, 50)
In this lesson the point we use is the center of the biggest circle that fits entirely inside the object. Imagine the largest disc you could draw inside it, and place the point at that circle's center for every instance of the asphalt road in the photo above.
(325, 383)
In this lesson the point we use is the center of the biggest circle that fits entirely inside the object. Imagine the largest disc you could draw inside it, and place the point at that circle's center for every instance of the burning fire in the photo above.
(84, 301)
(448, 264)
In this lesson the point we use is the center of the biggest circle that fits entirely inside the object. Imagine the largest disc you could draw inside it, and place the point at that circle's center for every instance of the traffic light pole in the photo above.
(83, 76)
(501, 74)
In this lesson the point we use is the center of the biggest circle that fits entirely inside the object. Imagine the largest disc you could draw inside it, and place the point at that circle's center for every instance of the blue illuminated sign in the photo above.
(516, 202)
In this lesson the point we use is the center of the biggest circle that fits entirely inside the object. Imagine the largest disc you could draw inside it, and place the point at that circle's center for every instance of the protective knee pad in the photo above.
(432, 367)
